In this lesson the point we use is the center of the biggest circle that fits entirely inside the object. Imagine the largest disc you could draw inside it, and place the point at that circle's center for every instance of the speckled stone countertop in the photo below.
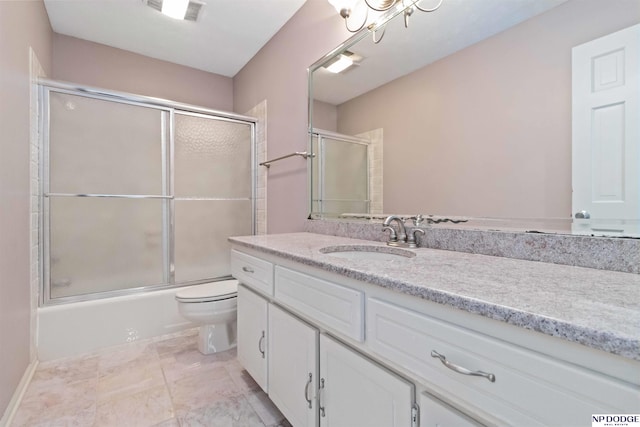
(596, 308)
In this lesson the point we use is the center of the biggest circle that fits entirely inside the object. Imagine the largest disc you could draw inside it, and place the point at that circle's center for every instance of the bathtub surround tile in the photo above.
(159, 382)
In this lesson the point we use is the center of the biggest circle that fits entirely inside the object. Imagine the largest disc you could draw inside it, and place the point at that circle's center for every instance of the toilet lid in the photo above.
(208, 291)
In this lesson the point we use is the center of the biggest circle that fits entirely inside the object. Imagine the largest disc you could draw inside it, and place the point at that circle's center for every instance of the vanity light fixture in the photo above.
(189, 10)
(346, 8)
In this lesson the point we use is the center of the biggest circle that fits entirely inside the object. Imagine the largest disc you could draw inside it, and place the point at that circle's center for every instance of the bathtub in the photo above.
(76, 328)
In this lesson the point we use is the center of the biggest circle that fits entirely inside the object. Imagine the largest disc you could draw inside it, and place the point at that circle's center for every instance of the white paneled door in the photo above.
(606, 127)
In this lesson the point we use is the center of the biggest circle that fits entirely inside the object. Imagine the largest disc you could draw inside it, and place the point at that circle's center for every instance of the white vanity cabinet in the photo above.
(341, 352)
(293, 361)
(355, 392)
(436, 413)
(252, 334)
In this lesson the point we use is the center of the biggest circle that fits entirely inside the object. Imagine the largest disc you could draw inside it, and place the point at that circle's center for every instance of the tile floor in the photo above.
(163, 382)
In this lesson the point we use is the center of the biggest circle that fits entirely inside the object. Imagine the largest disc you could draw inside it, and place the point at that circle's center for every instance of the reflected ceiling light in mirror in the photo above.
(343, 62)
(346, 8)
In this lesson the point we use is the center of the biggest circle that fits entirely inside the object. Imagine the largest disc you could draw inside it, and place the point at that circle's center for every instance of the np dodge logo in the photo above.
(615, 420)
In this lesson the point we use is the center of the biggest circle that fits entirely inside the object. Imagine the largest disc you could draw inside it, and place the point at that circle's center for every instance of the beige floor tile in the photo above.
(130, 355)
(142, 409)
(57, 401)
(241, 377)
(129, 380)
(265, 409)
(179, 364)
(201, 389)
(161, 382)
(229, 412)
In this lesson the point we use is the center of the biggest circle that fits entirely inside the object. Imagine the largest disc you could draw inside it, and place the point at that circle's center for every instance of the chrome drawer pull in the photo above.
(247, 269)
(260, 345)
(460, 369)
(306, 390)
(320, 394)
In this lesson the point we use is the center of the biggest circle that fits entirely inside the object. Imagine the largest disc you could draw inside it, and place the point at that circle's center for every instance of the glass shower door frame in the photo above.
(167, 110)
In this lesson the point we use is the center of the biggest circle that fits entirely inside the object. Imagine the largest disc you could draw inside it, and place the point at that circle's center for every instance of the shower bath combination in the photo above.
(137, 194)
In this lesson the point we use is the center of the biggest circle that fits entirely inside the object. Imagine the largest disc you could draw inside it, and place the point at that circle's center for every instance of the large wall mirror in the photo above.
(477, 111)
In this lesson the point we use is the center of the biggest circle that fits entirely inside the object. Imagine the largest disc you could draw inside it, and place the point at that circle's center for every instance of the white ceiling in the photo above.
(227, 35)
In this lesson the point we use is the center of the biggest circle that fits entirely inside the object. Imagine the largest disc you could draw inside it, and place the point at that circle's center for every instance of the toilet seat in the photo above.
(207, 292)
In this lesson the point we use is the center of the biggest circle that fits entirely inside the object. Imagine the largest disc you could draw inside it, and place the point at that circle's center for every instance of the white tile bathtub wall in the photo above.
(35, 71)
(375, 168)
(260, 112)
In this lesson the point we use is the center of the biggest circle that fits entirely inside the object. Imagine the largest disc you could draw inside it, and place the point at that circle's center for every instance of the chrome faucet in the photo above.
(399, 238)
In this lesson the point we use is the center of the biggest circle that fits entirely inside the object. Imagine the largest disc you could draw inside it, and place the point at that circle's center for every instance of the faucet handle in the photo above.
(393, 237)
(413, 238)
(417, 220)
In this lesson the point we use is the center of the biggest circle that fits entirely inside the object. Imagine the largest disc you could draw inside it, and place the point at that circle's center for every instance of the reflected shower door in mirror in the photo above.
(475, 102)
(347, 173)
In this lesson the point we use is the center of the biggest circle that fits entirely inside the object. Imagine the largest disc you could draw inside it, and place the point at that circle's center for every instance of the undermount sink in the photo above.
(368, 252)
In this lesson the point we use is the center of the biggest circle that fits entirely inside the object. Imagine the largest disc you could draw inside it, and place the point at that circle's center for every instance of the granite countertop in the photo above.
(596, 308)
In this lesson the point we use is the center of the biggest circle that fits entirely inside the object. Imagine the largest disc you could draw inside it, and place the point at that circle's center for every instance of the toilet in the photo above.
(213, 306)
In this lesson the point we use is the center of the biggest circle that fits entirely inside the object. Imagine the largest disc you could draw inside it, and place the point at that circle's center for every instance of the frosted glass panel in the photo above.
(212, 158)
(201, 231)
(101, 244)
(104, 147)
(346, 173)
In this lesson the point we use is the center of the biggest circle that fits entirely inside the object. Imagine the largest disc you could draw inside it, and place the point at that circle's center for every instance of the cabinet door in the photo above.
(435, 413)
(252, 334)
(354, 391)
(293, 364)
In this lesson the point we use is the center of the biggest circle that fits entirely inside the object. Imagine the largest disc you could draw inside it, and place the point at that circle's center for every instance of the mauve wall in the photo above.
(278, 73)
(94, 64)
(478, 133)
(22, 24)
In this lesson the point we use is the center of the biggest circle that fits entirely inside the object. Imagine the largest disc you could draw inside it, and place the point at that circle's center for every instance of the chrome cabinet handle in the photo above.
(582, 215)
(260, 345)
(306, 390)
(460, 369)
(247, 269)
(320, 394)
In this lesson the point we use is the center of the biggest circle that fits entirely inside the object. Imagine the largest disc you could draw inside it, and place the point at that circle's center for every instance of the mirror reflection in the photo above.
(478, 110)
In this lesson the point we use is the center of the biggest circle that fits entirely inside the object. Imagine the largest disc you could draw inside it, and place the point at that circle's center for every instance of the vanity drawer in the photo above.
(333, 305)
(253, 272)
(528, 388)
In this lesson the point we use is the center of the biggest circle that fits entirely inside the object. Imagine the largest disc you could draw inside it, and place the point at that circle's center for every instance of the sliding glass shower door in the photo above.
(213, 193)
(139, 196)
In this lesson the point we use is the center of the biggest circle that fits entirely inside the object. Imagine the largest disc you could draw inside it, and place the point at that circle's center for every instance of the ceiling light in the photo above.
(188, 10)
(175, 8)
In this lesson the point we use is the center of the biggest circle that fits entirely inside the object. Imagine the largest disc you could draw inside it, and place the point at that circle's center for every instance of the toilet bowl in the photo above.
(213, 306)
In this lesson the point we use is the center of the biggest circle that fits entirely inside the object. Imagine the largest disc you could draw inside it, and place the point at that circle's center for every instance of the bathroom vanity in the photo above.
(340, 337)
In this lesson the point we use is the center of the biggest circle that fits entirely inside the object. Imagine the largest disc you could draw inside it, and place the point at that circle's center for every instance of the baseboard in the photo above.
(14, 403)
